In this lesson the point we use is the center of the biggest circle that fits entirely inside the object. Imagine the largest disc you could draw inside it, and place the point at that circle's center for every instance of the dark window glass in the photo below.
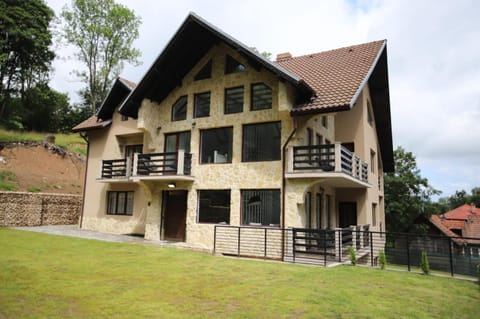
(214, 206)
(233, 66)
(205, 72)
(120, 203)
(261, 97)
(179, 109)
(325, 121)
(202, 104)
(234, 100)
(124, 118)
(261, 207)
(216, 145)
(261, 142)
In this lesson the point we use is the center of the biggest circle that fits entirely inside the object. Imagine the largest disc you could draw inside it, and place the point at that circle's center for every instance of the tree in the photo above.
(103, 31)
(25, 54)
(407, 194)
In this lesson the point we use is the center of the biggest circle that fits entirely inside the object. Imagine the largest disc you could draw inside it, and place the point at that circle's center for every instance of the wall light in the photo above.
(172, 185)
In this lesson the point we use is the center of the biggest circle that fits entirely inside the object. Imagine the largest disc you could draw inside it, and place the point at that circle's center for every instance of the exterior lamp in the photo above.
(172, 185)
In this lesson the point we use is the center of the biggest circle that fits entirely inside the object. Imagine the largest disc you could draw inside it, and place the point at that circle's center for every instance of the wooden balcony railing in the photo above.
(327, 158)
(154, 164)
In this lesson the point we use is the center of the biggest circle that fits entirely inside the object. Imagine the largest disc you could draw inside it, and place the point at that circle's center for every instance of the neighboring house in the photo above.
(215, 134)
(462, 224)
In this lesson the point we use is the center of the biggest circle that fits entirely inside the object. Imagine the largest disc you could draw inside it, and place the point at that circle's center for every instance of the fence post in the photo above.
(325, 247)
(214, 239)
(451, 254)
(294, 235)
(408, 253)
(238, 248)
(371, 248)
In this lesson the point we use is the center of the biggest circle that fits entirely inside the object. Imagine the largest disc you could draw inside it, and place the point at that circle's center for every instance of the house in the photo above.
(214, 134)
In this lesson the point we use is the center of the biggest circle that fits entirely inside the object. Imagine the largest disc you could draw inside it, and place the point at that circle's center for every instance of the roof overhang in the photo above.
(189, 44)
(119, 91)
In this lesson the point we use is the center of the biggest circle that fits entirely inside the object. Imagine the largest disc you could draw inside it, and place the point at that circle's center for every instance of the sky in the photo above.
(433, 62)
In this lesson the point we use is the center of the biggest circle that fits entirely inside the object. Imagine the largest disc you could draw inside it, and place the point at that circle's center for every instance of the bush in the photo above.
(382, 259)
(352, 255)
(425, 265)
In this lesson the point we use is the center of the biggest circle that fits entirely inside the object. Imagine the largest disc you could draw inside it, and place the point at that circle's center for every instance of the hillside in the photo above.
(38, 167)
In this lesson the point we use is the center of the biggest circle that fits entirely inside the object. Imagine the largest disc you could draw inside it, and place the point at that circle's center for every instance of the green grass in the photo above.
(45, 276)
(34, 189)
(71, 142)
(8, 181)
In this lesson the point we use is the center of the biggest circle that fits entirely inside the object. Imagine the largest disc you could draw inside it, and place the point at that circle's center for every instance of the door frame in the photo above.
(164, 218)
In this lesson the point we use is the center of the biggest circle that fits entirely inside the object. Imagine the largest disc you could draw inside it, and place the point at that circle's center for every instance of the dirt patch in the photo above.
(44, 168)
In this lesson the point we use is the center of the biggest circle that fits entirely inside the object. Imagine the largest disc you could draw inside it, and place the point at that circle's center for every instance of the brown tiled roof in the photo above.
(335, 75)
(92, 123)
(465, 218)
(462, 212)
(437, 221)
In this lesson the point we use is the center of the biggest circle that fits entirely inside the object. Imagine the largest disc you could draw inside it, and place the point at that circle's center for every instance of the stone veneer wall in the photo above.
(35, 209)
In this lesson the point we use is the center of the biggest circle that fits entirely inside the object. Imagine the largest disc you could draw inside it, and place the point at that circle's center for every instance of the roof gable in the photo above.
(190, 43)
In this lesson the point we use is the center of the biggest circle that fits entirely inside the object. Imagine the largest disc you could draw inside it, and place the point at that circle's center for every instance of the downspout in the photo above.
(284, 182)
(85, 138)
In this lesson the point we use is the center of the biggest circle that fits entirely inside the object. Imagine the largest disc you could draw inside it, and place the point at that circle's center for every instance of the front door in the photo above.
(348, 214)
(175, 215)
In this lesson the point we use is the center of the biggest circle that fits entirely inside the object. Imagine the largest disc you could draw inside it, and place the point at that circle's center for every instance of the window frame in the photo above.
(279, 155)
(243, 193)
(252, 92)
(173, 119)
(126, 205)
(229, 153)
(199, 205)
(225, 99)
(195, 106)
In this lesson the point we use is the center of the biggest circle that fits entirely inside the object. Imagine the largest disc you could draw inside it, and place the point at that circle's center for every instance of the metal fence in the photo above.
(453, 255)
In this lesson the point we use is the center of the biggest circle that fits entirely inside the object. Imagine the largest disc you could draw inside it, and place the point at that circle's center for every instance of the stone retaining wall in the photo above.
(35, 209)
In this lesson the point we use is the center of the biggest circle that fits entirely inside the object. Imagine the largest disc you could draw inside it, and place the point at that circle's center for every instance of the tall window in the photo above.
(369, 113)
(205, 72)
(328, 208)
(216, 145)
(261, 97)
(202, 104)
(179, 109)
(261, 142)
(234, 100)
(214, 206)
(308, 209)
(261, 207)
(232, 65)
(372, 161)
(374, 214)
(318, 205)
(120, 203)
(325, 121)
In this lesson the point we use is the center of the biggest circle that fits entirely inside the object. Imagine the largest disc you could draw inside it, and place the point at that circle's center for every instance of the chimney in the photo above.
(283, 56)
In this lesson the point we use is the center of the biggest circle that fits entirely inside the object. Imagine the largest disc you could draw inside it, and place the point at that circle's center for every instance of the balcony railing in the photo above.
(154, 164)
(327, 158)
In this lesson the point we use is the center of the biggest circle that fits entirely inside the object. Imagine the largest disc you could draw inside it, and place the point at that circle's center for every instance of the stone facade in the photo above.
(36, 209)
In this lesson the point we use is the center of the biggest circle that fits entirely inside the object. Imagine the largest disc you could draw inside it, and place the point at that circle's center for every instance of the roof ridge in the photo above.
(333, 50)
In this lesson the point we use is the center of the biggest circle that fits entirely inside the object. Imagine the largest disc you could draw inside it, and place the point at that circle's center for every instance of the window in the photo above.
(328, 208)
(202, 104)
(179, 109)
(205, 72)
(261, 207)
(120, 203)
(216, 145)
(372, 161)
(374, 214)
(214, 206)
(319, 139)
(261, 142)
(369, 113)
(325, 121)
(124, 118)
(232, 65)
(318, 206)
(261, 97)
(308, 209)
(234, 100)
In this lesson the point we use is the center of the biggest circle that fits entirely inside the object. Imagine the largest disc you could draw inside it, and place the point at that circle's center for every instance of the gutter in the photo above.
(85, 137)
(284, 181)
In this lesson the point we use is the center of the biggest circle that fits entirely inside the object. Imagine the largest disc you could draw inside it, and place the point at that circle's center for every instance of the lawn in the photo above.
(46, 276)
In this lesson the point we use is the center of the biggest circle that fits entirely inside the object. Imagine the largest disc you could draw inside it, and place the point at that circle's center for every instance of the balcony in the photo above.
(169, 166)
(332, 162)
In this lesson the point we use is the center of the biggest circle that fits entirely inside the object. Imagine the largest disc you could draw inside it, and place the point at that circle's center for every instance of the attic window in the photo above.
(261, 97)
(232, 65)
(179, 109)
(205, 72)
(369, 113)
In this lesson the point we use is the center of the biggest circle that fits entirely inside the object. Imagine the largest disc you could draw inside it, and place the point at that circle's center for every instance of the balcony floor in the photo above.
(335, 179)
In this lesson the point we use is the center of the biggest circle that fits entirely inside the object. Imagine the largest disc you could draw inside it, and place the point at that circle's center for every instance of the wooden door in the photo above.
(175, 215)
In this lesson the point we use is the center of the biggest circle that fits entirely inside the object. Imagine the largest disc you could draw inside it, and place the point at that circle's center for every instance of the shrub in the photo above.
(352, 255)
(382, 259)
(425, 265)
(8, 181)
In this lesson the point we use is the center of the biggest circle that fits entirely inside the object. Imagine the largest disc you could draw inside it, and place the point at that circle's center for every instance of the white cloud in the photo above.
(432, 50)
